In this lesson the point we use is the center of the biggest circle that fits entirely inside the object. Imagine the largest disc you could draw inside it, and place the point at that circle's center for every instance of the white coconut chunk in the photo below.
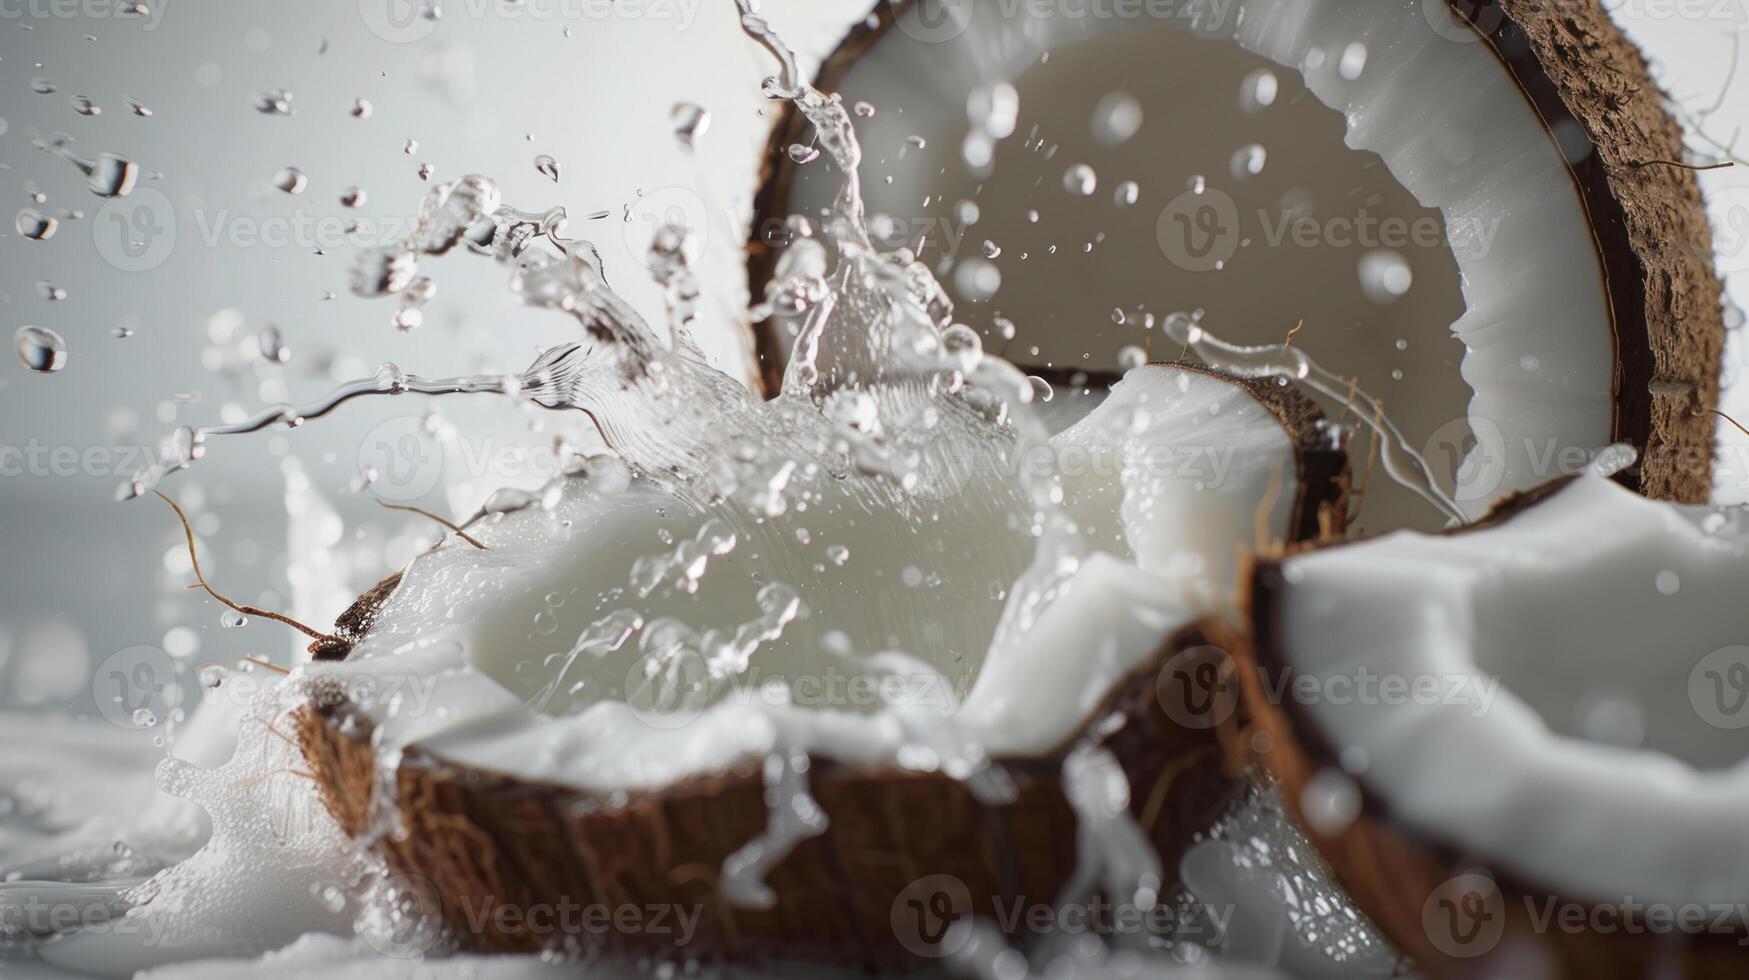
(1176, 471)
(584, 646)
(1563, 688)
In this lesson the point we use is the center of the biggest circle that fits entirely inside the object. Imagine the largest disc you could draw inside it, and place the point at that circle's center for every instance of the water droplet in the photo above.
(1258, 90)
(1353, 61)
(43, 86)
(691, 120)
(1080, 179)
(40, 349)
(1385, 276)
(425, 171)
(144, 718)
(1116, 118)
(837, 554)
(276, 103)
(1668, 582)
(992, 250)
(977, 280)
(1248, 161)
(291, 180)
(272, 344)
(410, 146)
(802, 153)
(1127, 193)
(1131, 357)
(1041, 389)
(138, 107)
(361, 109)
(352, 197)
(864, 110)
(1005, 327)
(547, 167)
(51, 292)
(1330, 801)
(232, 619)
(85, 107)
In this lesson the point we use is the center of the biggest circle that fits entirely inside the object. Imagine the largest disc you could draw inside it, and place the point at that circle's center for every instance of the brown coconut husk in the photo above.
(480, 841)
(1399, 878)
(1582, 75)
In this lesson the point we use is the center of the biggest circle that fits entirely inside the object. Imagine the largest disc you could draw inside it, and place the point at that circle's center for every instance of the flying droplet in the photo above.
(35, 225)
(1353, 61)
(276, 103)
(232, 619)
(361, 109)
(43, 86)
(51, 292)
(138, 107)
(1131, 357)
(352, 197)
(691, 120)
(1127, 193)
(1248, 161)
(1116, 118)
(291, 180)
(864, 110)
(1080, 179)
(547, 167)
(425, 171)
(40, 349)
(1385, 276)
(85, 107)
(1258, 91)
(272, 344)
(802, 153)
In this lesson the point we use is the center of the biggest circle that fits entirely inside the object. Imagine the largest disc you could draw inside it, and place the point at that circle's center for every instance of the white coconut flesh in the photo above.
(1609, 761)
(1491, 341)
(554, 665)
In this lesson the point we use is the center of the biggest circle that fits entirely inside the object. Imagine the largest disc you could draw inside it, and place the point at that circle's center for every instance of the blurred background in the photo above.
(212, 291)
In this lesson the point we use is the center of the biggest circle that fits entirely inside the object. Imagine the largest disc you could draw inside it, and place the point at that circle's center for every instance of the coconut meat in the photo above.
(1577, 651)
(1527, 301)
(464, 616)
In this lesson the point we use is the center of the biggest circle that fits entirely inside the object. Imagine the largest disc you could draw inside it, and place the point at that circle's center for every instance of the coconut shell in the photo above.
(1583, 76)
(1432, 901)
(477, 840)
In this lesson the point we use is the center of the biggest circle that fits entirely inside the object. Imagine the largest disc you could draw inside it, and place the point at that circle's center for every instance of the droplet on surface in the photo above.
(40, 349)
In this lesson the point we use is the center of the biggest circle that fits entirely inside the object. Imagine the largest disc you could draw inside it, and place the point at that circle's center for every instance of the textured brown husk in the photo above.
(1582, 76)
(485, 840)
(1392, 872)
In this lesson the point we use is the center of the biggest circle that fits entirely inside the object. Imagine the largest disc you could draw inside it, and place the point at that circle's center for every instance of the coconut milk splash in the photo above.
(887, 407)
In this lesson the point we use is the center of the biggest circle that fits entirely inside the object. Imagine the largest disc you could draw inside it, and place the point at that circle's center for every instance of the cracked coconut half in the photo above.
(1520, 746)
(1480, 211)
